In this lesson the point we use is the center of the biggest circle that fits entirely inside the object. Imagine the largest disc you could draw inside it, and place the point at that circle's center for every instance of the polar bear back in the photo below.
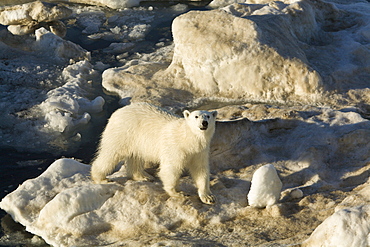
(140, 128)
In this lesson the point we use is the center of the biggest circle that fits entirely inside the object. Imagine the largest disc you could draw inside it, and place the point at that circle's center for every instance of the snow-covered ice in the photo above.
(26, 18)
(64, 207)
(53, 101)
(50, 86)
(290, 82)
(319, 57)
(66, 106)
(127, 207)
(348, 227)
(296, 193)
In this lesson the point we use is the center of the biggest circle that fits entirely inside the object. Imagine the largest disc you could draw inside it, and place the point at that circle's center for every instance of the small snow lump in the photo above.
(266, 187)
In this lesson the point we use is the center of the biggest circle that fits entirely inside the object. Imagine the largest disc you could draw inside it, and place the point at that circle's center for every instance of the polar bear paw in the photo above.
(102, 181)
(208, 198)
(143, 176)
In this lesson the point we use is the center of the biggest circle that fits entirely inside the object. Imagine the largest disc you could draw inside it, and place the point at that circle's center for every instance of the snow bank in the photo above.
(360, 195)
(126, 26)
(67, 109)
(269, 134)
(66, 209)
(234, 68)
(46, 106)
(113, 4)
(266, 187)
(345, 228)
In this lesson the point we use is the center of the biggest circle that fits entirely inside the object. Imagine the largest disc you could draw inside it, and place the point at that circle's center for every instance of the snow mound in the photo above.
(233, 69)
(67, 107)
(26, 18)
(266, 187)
(35, 11)
(292, 51)
(348, 227)
(65, 208)
(45, 105)
(58, 48)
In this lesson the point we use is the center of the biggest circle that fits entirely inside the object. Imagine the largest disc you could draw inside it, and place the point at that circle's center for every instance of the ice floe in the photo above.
(26, 18)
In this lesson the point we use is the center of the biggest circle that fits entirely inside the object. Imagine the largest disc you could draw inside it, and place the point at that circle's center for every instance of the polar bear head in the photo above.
(200, 120)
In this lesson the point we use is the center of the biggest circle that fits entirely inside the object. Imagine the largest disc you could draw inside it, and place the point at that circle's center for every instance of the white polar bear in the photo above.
(142, 132)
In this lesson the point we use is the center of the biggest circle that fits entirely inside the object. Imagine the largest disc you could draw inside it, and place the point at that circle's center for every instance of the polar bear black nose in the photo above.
(205, 124)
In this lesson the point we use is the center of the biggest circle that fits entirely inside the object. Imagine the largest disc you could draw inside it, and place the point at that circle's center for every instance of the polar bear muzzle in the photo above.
(204, 125)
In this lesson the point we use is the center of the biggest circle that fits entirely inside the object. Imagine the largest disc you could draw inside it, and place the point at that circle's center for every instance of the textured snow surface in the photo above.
(345, 228)
(65, 208)
(26, 18)
(53, 119)
(292, 51)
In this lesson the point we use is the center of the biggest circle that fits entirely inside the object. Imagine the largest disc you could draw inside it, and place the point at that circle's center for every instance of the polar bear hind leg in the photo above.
(135, 170)
(102, 166)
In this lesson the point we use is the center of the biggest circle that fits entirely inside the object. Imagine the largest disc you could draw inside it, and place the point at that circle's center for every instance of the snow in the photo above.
(266, 187)
(296, 193)
(289, 80)
(345, 228)
(67, 108)
(119, 48)
(120, 211)
(26, 18)
(63, 109)
(35, 11)
(60, 98)
(114, 4)
(64, 207)
(58, 48)
(317, 59)
(91, 21)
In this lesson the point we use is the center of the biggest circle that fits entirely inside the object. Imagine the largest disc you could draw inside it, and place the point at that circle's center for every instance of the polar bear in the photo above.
(142, 132)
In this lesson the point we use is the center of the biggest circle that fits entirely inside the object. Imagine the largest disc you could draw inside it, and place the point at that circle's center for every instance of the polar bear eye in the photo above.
(196, 116)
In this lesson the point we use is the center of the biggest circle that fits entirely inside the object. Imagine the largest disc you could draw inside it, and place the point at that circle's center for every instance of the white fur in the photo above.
(142, 132)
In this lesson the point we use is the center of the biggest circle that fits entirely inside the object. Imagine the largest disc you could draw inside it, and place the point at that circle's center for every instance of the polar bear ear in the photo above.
(186, 113)
(214, 114)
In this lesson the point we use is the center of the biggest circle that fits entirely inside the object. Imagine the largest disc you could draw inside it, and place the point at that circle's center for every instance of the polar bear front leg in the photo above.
(169, 174)
(199, 171)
